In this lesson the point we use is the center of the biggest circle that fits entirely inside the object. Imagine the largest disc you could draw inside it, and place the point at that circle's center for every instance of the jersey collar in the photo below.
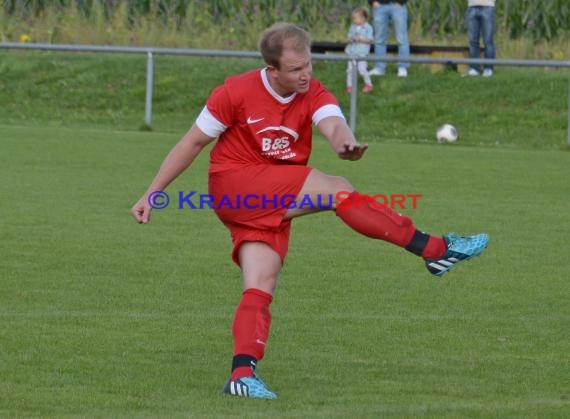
(272, 92)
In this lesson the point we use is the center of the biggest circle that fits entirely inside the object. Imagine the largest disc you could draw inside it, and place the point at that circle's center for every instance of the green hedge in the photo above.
(539, 19)
(542, 20)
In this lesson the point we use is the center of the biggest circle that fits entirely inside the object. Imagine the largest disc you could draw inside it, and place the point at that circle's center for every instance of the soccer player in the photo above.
(262, 121)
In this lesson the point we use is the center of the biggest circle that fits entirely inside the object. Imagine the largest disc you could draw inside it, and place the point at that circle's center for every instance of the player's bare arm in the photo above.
(178, 160)
(341, 138)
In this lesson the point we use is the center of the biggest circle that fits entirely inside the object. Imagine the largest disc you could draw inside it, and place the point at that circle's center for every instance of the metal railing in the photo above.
(151, 51)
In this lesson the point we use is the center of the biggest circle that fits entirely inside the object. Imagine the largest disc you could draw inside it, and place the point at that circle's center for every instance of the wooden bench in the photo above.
(435, 51)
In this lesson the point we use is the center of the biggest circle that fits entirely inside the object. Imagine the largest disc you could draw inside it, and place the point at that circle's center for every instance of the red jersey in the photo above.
(255, 125)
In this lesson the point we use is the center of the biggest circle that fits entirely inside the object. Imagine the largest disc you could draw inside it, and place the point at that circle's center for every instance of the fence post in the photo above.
(353, 95)
(568, 133)
(148, 102)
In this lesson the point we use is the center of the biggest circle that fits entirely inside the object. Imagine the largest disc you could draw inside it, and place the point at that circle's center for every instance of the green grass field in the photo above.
(516, 108)
(102, 317)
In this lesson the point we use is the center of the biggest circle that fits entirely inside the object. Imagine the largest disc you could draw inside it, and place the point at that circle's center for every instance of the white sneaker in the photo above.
(487, 72)
(472, 72)
(376, 72)
(402, 72)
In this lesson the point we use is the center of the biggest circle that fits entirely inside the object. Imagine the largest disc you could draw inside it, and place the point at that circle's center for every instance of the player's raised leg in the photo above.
(260, 266)
(361, 214)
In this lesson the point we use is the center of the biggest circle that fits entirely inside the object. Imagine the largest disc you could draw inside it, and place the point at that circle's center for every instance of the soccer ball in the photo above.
(446, 133)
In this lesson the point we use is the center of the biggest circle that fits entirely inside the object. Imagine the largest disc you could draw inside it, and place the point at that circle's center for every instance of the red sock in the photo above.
(250, 330)
(435, 248)
(241, 372)
(365, 216)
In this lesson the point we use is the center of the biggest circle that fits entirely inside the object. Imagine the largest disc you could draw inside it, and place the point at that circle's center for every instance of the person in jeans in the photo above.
(383, 11)
(359, 37)
(481, 23)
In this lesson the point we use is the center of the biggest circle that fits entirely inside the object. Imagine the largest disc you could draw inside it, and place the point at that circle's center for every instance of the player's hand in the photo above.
(352, 151)
(141, 211)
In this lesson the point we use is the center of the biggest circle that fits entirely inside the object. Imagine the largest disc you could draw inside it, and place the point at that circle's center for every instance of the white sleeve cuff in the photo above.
(326, 111)
(209, 124)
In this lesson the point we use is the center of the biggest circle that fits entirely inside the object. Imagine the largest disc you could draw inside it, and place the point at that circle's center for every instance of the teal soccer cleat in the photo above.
(251, 387)
(459, 248)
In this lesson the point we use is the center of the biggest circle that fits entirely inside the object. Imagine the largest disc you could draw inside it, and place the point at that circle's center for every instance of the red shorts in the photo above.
(251, 202)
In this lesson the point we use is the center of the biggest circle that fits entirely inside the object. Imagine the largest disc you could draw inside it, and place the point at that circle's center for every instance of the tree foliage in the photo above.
(539, 19)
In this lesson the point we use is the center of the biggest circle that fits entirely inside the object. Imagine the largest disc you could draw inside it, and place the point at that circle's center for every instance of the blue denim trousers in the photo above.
(382, 17)
(481, 22)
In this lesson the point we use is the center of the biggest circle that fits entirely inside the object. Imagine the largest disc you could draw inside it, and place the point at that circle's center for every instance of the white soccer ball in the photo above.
(446, 133)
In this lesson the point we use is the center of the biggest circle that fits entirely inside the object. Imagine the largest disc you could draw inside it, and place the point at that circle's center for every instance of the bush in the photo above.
(235, 24)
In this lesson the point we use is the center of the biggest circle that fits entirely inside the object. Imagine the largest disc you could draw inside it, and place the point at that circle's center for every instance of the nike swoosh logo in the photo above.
(253, 121)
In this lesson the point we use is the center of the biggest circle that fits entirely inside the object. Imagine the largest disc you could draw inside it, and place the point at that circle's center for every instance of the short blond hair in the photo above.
(279, 37)
(363, 11)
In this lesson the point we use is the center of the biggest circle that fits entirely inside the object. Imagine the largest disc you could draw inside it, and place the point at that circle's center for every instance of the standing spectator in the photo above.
(481, 22)
(360, 36)
(383, 12)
